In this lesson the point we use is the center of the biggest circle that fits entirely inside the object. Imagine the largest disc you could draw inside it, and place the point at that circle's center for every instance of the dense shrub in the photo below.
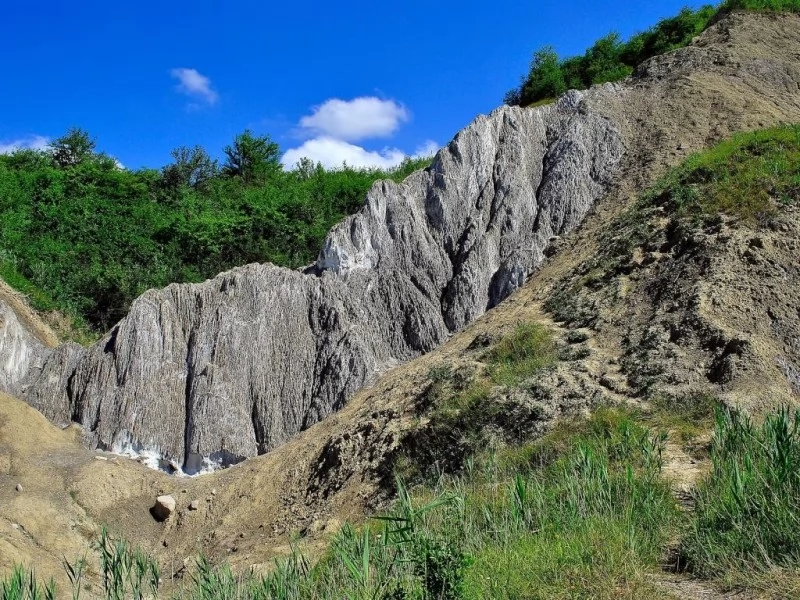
(763, 5)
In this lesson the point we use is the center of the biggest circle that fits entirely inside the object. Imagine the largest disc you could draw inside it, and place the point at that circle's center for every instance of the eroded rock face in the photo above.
(20, 350)
(237, 365)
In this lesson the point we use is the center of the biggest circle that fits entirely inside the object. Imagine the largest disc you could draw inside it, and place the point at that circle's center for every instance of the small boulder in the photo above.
(194, 505)
(164, 507)
(18, 487)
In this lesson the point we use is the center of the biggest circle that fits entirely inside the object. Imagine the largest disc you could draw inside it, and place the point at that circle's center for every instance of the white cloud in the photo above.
(427, 149)
(335, 124)
(194, 84)
(31, 142)
(357, 119)
(332, 153)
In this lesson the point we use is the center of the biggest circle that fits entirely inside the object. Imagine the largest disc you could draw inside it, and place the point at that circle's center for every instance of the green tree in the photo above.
(193, 167)
(73, 148)
(603, 62)
(253, 159)
(546, 79)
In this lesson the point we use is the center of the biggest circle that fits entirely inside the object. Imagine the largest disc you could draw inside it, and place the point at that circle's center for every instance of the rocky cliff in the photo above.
(235, 366)
(25, 341)
(20, 350)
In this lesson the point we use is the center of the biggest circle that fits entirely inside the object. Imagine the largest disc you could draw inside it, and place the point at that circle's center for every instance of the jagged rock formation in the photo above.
(19, 350)
(239, 364)
(24, 342)
(742, 74)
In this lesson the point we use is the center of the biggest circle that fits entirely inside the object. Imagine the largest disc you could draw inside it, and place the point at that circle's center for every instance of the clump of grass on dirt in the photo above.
(527, 350)
(686, 416)
(468, 408)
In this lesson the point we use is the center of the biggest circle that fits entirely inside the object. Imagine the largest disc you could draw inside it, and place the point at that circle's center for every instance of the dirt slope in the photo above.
(742, 74)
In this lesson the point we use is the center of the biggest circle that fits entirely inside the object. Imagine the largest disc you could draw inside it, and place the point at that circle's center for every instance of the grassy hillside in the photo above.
(612, 59)
(80, 234)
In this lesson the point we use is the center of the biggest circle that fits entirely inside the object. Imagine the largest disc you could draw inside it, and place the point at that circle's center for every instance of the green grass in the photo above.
(23, 585)
(687, 417)
(520, 355)
(747, 518)
(749, 176)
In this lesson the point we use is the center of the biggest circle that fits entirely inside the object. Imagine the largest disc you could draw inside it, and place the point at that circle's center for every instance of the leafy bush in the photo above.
(608, 59)
(611, 59)
(763, 5)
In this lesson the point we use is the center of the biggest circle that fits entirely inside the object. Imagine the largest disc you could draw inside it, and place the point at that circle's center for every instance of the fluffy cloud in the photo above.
(195, 85)
(33, 142)
(335, 124)
(354, 120)
(332, 153)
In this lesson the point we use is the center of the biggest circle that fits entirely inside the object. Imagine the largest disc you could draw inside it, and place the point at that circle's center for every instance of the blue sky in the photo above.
(362, 81)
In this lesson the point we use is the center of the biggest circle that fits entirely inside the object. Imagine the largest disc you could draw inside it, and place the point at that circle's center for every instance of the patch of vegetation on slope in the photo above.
(82, 235)
(747, 516)
(528, 349)
(610, 59)
(467, 407)
(748, 183)
(749, 176)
